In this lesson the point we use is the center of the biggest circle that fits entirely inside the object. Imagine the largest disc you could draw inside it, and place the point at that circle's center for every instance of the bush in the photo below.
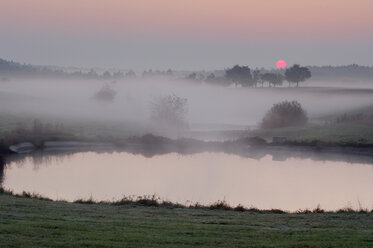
(170, 111)
(285, 114)
(105, 94)
(220, 205)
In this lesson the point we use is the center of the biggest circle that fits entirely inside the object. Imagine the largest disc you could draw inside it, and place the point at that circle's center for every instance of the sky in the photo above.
(186, 34)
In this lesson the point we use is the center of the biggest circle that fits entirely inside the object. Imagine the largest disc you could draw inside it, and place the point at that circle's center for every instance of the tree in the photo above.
(130, 74)
(170, 111)
(285, 114)
(147, 73)
(211, 77)
(106, 74)
(118, 74)
(257, 78)
(92, 74)
(240, 75)
(105, 94)
(192, 76)
(296, 74)
(273, 78)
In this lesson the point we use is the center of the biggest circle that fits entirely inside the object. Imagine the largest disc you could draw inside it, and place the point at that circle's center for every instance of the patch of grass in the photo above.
(349, 134)
(84, 130)
(220, 205)
(24, 195)
(352, 128)
(317, 210)
(83, 201)
(34, 196)
(155, 201)
(6, 192)
(29, 222)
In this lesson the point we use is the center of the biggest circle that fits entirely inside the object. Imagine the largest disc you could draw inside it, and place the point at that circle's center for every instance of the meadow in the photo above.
(28, 222)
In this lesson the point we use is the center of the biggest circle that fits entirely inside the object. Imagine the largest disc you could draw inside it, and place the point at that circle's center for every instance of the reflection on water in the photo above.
(287, 183)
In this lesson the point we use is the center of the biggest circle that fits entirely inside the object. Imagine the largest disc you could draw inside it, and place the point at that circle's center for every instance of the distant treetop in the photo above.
(297, 73)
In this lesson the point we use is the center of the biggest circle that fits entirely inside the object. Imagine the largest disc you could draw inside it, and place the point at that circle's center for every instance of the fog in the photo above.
(209, 107)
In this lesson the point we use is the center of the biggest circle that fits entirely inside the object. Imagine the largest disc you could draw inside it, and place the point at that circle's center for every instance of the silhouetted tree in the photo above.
(296, 74)
(118, 74)
(274, 79)
(257, 78)
(200, 77)
(130, 74)
(240, 75)
(192, 76)
(147, 73)
(210, 78)
(285, 114)
(106, 74)
(92, 74)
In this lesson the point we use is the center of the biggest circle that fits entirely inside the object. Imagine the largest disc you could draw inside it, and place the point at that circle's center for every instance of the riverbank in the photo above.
(27, 222)
(251, 147)
(351, 137)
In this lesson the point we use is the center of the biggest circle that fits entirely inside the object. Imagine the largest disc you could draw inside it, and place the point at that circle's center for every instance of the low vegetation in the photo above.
(170, 112)
(334, 134)
(40, 223)
(348, 129)
(105, 94)
(35, 132)
(155, 201)
(361, 118)
(285, 114)
(352, 128)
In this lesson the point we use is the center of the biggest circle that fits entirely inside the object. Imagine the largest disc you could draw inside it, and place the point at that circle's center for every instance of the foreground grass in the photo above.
(26, 222)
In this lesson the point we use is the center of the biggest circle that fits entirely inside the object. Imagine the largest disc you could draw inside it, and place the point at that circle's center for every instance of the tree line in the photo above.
(245, 77)
(14, 69)
(238, 75)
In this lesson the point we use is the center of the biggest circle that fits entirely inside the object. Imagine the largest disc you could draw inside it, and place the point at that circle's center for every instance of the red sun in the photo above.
(281, 64)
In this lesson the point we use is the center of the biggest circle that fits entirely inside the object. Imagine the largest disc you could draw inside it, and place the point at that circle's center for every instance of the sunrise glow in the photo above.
(281, 64)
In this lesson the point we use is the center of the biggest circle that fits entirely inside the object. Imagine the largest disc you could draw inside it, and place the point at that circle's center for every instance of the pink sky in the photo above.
(186, 34)
(241, 18)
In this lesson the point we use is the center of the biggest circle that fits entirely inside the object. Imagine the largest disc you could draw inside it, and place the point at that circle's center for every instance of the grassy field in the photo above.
(328, 129)
(338, 133)
(26, 222)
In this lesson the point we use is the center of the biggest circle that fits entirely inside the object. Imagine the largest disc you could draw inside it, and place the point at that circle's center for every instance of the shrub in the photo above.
(220, 205)
(83, 201)
(285, 114)
(318, 210)
(148, 201)
(277, 211)
(170, 111)
(240, 208)
(105, 94)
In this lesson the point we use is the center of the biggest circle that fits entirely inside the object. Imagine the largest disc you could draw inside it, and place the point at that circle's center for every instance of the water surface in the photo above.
(291, 184)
